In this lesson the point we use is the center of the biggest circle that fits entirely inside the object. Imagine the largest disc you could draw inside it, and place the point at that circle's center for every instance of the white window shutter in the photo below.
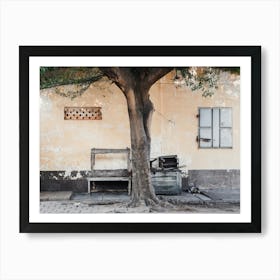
(205, 135)
(205, 130)
(205, 117)
(216, 128)
(226, 117)
(226, 127)
(226, 137)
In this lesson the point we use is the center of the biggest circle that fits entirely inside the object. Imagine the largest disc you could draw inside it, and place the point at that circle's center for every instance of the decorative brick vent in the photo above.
(82, 113)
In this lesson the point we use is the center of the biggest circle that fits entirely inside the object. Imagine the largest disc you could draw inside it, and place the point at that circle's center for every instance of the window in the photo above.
(215, 128)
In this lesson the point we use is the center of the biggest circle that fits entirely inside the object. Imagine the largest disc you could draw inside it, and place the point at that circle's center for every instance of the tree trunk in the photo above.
(140, 110)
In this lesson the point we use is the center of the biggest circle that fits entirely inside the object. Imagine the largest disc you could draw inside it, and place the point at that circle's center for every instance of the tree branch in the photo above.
(121, 76)
(155, 73)
(58, 76)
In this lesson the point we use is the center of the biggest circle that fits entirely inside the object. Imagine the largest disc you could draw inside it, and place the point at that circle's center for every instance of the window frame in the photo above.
(199, 127)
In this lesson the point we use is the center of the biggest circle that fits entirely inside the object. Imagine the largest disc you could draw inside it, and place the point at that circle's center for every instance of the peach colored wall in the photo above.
(65, 145)
(178, 135)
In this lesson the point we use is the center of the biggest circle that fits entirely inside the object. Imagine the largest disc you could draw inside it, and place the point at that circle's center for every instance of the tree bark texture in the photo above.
(135, 83)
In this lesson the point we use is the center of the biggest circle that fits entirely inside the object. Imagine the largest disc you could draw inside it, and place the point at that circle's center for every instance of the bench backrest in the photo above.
(95, 151)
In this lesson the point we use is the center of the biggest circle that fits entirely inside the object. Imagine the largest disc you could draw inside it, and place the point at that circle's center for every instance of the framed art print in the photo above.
(140, 138)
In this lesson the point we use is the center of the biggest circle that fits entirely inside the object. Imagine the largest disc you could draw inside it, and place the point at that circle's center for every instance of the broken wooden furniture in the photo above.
(168, 162)
(167, 182)
(166, 175)
(118, 175)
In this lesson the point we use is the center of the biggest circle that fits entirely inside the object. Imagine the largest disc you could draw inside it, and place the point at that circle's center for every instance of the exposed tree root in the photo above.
(160, 204)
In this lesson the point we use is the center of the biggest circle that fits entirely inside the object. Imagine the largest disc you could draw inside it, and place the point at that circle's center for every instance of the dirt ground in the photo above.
(117, 203)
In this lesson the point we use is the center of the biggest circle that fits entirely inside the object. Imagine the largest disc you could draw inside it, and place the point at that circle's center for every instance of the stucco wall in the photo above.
(66, 144)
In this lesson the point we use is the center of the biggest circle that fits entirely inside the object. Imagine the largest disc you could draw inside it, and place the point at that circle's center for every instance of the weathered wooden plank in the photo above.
(108, 179)
(109, 173)
(109, 151)
(128, 160)
(92, 160)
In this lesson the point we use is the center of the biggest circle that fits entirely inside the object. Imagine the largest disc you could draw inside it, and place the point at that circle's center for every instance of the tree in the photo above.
(135, 83)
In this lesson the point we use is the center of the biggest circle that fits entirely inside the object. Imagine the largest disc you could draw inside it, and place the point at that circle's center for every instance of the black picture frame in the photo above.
(254, 52)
